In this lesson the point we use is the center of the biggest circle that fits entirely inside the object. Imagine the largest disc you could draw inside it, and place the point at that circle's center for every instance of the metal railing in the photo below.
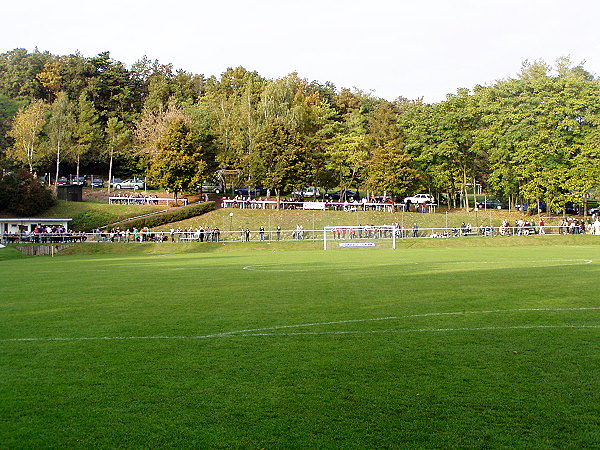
(239, 236)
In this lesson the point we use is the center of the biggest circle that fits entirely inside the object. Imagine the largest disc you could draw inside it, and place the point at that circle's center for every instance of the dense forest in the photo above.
(534, 137)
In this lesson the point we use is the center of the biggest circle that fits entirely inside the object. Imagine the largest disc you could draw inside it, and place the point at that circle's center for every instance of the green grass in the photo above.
(167, 345)
(89, 215)
(288, 219)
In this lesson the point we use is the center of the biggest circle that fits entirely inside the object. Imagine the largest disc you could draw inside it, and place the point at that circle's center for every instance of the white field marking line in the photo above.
(273, 268)
(257, 331)
(306, 333)
(421, 330)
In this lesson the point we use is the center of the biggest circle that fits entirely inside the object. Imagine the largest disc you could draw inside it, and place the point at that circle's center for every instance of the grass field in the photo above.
(285, 346)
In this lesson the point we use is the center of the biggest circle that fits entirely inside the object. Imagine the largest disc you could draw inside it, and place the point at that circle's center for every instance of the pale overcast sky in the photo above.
(391, 48)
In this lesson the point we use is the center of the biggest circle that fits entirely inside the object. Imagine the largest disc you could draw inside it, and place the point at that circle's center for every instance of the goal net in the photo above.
(360, 236)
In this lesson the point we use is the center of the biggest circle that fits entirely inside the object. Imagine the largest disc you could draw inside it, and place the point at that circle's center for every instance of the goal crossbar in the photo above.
(361, 233)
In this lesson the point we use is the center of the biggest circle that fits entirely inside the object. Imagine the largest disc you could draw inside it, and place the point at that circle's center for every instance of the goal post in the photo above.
(359, 236)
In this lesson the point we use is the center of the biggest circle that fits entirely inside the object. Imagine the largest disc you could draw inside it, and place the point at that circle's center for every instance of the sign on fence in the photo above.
(357, 244)
(314, 205)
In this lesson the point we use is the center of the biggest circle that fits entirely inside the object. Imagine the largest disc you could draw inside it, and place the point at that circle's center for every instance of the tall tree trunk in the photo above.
(57, 164)
(110, 164)
(464, 189)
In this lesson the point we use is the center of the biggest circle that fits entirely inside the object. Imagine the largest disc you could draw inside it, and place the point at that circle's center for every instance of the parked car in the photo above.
(115, 181)
(255, 192)
(211, 187)
(97, 183)
(79, 181)
(131, 183)
(308, 193)
(593, 211)
(571, 209)
(63, 181)
(490, 203)
(420, 199)
(343, 196)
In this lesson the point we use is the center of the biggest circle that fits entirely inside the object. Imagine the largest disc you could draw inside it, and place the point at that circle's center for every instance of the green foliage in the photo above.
(88, 131)
(23, 195)
(173, 215)
(61, 126)
(178, 164)
(26, 130)
(8, 110)
(534, 137)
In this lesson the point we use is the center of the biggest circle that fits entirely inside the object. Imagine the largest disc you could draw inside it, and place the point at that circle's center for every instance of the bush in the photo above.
(23, 195)
(90, 220)
(174, 215)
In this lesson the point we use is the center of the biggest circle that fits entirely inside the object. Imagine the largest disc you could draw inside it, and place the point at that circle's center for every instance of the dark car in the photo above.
(571, 209)
(79, 181)
(210, 187)
(256, 191)
(63, 181)
(97, 183)
(595, 210)
(490, 203)
(339, 196)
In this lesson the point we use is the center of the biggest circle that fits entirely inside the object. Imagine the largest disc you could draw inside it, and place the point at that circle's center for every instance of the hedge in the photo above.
(174, 215)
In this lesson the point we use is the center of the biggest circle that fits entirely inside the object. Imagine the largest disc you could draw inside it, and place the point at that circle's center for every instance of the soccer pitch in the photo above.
(282, 348)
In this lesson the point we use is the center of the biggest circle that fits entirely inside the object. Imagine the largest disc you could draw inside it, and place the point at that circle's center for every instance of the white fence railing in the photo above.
(216, 235)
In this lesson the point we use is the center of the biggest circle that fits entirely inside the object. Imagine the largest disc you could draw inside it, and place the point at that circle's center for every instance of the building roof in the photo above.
(33, 219)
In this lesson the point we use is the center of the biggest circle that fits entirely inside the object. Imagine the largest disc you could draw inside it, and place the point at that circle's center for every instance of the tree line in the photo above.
(533, 137)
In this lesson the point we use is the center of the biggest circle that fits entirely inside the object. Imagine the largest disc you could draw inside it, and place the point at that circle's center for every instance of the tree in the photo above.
(88, 132)
(153, 125)
(280, 160)
(118, 137)
(347, 151)
(178, 164)
(60, 128)
(23, 195)
(539, 131)
(26, 129)
(442, 138)
(389, 168)
(111, 88)
(8, 110)
(18, 73)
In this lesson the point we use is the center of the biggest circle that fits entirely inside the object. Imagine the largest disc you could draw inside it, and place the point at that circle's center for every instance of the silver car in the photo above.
(131, 183)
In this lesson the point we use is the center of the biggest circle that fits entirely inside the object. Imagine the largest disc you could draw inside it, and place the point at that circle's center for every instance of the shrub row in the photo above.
(174, 215)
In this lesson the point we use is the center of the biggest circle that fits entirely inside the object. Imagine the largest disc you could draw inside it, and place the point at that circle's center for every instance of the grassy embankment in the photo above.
(91, 214)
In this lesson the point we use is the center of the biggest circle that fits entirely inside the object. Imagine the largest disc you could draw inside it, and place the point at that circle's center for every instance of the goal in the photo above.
(343, 236)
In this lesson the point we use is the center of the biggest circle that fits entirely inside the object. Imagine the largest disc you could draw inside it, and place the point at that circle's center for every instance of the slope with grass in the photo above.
(282, 346)
(289, 219)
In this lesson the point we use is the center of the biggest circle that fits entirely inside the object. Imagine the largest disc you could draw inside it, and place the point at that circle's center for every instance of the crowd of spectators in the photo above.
(135, 199)
(44, 235)
(298, 203)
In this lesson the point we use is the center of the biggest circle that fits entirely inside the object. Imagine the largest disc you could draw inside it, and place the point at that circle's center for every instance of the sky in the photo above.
(413, 49)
